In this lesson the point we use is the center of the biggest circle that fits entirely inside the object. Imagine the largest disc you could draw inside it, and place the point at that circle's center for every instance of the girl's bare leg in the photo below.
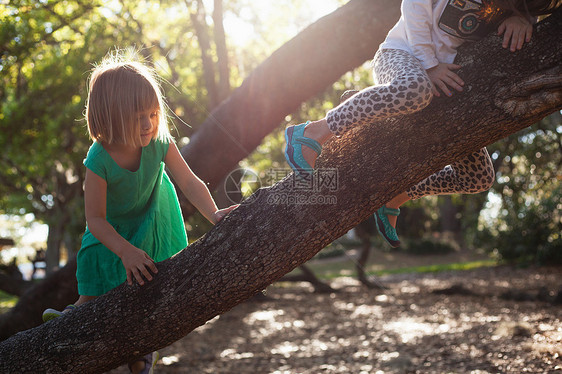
(137, 366)
(84, 299)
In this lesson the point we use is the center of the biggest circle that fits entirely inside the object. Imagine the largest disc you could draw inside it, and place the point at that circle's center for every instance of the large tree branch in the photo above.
(27, 312)
(265, 238)
(13, 285)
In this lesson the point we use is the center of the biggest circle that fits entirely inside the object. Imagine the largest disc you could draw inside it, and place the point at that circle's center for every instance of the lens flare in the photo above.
(489, 10)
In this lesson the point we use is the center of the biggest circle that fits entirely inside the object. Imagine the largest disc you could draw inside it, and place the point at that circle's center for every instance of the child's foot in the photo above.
(304, 144)
(51, 313)
(385, 227)
(309, 154)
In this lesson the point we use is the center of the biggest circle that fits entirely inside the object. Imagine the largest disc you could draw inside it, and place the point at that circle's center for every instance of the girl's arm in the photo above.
(135, 261)
(192, 187)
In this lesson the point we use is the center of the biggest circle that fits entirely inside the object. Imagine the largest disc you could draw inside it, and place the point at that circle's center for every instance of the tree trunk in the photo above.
(268, 237)
(58, 222)
(448, 215)
(198, 20)
(364, 232)
(222, 51)
(56, 291)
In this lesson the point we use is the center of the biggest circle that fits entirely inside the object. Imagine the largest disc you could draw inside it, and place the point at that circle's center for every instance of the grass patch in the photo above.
(347, 268)
(438, 268)
(7, 301)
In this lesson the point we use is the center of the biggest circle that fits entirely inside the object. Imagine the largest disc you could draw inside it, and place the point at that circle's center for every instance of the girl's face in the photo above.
(148, 121)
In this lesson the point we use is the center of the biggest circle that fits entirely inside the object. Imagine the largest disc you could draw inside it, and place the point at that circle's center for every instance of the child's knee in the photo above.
(488, 173)
(412, 94)
(483, 180)
(425, 92)
(488, 179)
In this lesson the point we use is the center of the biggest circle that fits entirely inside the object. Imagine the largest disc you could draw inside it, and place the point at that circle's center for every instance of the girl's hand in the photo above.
(443, 76)
(518, 30)
(220, 214)
(137, 262)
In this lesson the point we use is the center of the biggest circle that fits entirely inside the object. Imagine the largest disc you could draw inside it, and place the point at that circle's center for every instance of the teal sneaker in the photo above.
(385, 228)
(295, 139)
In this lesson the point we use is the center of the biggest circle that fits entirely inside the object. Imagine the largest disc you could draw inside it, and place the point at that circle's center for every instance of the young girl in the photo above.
(132, 210)
(413, 64)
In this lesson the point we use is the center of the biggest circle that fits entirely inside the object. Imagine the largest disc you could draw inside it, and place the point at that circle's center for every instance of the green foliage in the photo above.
(439, 268)
(42, 142)
(533, 235)
(528, 221)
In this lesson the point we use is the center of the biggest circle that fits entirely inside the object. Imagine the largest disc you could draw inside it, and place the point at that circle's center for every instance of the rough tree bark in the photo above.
(334, 45)
(272, 234)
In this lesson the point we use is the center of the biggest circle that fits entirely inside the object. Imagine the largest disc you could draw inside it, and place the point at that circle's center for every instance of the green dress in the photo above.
(143, 208)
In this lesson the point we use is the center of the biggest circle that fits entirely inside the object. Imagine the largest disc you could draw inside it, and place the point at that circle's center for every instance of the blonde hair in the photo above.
(119, 89)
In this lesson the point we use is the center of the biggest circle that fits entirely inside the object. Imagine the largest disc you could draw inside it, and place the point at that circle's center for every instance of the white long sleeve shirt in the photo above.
(418, 32)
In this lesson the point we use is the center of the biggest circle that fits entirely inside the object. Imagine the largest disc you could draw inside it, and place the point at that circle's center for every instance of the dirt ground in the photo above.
(489, 320)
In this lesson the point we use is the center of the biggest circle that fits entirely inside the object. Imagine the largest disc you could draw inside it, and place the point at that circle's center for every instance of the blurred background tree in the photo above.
(523, 218)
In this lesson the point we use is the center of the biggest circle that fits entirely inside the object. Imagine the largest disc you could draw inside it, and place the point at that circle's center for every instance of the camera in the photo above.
(463, 19)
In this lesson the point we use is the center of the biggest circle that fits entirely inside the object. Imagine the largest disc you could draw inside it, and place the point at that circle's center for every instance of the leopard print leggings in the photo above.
(402, 86)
